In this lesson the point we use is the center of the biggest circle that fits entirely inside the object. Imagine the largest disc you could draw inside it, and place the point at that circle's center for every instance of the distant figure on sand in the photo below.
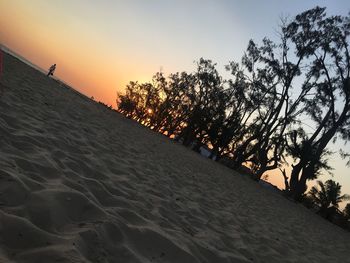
(51, 70)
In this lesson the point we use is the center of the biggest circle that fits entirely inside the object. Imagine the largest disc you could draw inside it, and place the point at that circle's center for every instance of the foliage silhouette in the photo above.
(326, 197)
(257, 117)
(346, 211)
(323, 42)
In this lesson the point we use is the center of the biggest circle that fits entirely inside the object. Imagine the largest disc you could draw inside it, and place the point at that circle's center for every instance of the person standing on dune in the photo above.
(51, 70)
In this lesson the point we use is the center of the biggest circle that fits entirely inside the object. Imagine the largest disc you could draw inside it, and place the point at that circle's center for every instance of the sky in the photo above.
(101, 45)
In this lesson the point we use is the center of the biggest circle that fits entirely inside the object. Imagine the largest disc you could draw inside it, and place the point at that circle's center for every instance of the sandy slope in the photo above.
(80, 183)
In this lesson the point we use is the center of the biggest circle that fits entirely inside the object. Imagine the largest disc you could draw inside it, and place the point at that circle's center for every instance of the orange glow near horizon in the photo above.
(99, 76)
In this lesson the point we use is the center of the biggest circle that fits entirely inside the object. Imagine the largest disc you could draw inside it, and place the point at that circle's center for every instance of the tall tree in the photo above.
(175, 109)
(207, 103)
(269, 73)
(324, 41)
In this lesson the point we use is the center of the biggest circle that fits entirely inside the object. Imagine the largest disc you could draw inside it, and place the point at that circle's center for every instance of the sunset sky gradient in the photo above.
(99, 46)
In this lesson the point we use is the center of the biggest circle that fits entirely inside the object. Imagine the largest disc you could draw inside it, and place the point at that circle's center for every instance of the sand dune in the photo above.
(80, 183)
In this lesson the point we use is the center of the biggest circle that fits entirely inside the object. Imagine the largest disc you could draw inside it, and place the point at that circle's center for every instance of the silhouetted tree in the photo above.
(269, 77)
(323, 41)
(141, 101)
(180, 98)
(127, 104)
(206, 105)
(327, 196)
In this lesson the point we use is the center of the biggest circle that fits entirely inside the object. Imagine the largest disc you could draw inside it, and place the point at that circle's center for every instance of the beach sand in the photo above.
(81, 183)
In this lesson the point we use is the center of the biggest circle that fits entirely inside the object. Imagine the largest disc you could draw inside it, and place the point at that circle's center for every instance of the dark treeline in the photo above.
(324, 198)
(283, 104)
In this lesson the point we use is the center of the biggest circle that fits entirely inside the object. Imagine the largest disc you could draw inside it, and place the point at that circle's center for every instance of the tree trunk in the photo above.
(286, 183)
(257, 176)
(298, 185)
(294, 179)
